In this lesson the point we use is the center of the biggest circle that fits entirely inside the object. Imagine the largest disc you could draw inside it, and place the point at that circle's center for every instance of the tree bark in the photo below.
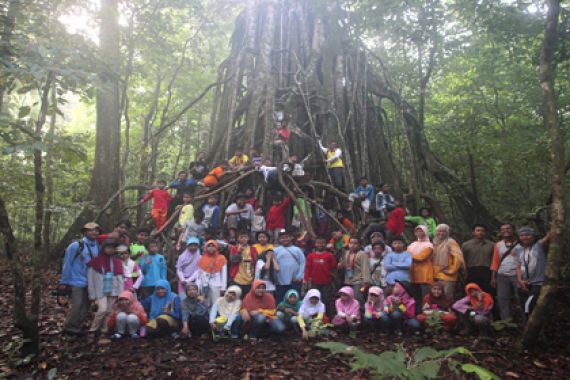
(14, 9)
(106, 171)
(557, 248)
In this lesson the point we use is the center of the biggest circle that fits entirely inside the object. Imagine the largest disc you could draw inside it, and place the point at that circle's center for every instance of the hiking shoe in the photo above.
(117, 336)
(135, 336)
(234, 336)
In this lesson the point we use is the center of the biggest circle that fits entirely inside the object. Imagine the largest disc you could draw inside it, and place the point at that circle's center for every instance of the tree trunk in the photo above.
(557, 248)
(49, 172)
(106, 171)
(14, 8)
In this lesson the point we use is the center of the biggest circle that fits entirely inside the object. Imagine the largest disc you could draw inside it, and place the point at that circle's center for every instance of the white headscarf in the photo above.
(307, 309)
(225, 308)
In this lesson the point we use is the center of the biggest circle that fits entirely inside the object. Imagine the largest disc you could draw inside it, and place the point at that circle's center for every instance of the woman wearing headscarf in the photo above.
(347, 309)
(194, 313)
(447, 259)
(187, 264)
(258, 312)
(436, 304)
(400, 311)
(311, 313)
(374, 308)
(211, 276)
(104, 283)
(475, 307)
(421, 272)
(288, 308)
(163, 310)
(225, 311)
(127, 316)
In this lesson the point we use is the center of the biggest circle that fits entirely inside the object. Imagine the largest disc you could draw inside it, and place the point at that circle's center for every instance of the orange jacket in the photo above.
(454, 263)
(422, 266)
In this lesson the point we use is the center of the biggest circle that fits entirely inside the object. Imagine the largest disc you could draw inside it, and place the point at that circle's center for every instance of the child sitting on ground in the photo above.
(311, 316)
(128, 315)
(475, 307)
(288, 308)
(436, 304)
(194, 313)
(163, 310)
(374, 309)
(224, 312)
(347, 309)
(400, 311)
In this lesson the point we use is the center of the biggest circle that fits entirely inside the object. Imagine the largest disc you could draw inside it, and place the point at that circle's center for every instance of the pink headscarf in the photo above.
(351, 306)
(420, 245)
(379, 304)
(405, 299)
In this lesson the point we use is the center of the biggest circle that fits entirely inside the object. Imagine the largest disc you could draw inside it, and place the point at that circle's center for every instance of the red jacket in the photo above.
(396, 222)
(276, 215)
(161, 198)
(318, 268)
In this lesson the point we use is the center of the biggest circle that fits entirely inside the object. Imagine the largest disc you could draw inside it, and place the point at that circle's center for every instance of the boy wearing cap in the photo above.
(74, 275)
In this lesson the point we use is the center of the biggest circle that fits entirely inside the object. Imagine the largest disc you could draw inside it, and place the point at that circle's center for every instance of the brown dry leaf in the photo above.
(539, 364)
(512, 374)
(246, 375)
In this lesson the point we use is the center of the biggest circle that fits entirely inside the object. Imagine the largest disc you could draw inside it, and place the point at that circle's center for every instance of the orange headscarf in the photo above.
(484, 302)
(212, 263)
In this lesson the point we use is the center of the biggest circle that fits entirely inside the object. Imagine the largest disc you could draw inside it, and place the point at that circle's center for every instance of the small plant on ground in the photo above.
(423, 363)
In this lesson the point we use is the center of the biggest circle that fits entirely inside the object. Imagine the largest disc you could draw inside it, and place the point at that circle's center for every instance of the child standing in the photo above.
(187, 264)
(138, 248)
(321, 221)
(276, 217)
(153, 267)
(397, 263)
(243, 259)
(357, 269)
(211, 276)
(132, 273)
(211, 213)
(186, 212)
(425, 219)
(258, 222)
(225, 311)
(192, 228)
(127, 316)
(376, 261)
(104, 283)
(319, 269)
(161, 199)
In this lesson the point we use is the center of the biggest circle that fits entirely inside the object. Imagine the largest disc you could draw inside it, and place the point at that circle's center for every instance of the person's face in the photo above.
(142, 237)
(377, 238)
(211, 249)
(249, 192)
(182, 176)
(386, 188)
(314, 300)
(294, 159)
(436, 291)
(201, 156)
(259, 211)
(374, 297)
(425, 213)
(398, 246)
(192, 292)
(377, 249)
(474, 292)
(123, 303)
(506, 231)
(344, 297)
(420, 234)
(193, 247)
(230, 296)
(332, 145)
(353, 245)
(212, 201)
(161, 292)
(161, 185)
(441, 234)
(238, 153)
(260, 290)
(479, 233)
(285, 239)
(527, 239)
(109, 250)
(240, 202)
(124, 255)
(122, 229)
(243, 239)
(92, 233)
(320, 244)
(153, 248)
(186, 198)
(337, 234)
(363, 182)
(292, 299)
(262, 239)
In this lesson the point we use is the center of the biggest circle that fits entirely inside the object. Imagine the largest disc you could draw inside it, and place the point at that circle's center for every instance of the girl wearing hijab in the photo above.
(127, 316)
(347, 309)
(475, 307)
(258, 311)
(225, 311)
(436, 303)
(194, 313)
(288, 308)
(311, 313)
(374, 309)
(421, 271)
(211, 276)
(187, 264)
(163, 310)
(104, 283)
(400, 311)
(447, 259)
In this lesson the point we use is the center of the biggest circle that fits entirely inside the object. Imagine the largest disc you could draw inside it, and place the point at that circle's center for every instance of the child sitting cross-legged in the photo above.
(258, 312)
(311, 317)
(347, 309)
(194, 313)
(400, 311)
(225, 312)
(437, 305)
(475, 308)
(127, 316)
(163, 310)
(288, 308)
(374, 309)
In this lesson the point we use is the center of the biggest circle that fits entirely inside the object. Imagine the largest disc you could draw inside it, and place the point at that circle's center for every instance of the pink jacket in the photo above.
(350, 307)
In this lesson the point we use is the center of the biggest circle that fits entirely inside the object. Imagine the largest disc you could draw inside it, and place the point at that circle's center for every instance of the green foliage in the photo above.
(423, 363)
(13, 350)
(506, 324)
(434, 323)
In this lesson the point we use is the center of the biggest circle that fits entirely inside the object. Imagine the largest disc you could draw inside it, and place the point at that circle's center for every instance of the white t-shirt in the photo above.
(269, 286)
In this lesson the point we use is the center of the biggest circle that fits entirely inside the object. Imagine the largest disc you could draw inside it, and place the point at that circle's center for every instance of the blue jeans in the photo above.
(261, 326)
(396, 321)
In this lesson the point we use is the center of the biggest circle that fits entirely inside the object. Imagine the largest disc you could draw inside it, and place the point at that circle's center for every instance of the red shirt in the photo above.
(276, 215)
(161, 198)
(396, 222)
(318, 268)
(122, 239)
(284, 134)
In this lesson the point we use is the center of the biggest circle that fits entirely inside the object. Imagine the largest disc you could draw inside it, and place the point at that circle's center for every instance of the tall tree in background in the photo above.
(106, 171)
(557, 153)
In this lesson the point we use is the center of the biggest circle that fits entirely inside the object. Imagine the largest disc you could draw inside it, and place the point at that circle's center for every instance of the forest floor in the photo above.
(289, 357)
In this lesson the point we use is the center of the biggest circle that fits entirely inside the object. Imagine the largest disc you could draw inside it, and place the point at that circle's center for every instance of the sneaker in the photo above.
(175, 335)
(117, 336)
(234, 336)
(135, 336)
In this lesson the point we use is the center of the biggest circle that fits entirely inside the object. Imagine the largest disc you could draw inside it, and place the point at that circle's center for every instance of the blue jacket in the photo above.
(368, 192)
(74, 271)
(211, 215)
(397, 266)
(153, 271)
(174, 310)
(291, 264)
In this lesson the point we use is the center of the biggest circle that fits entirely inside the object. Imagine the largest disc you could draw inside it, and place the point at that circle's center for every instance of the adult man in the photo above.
(504, 270)
(532, 265)
(291, 261)
(238, 215)
(365, 193)
(74, 275)
(334, 162)
(478, 254)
